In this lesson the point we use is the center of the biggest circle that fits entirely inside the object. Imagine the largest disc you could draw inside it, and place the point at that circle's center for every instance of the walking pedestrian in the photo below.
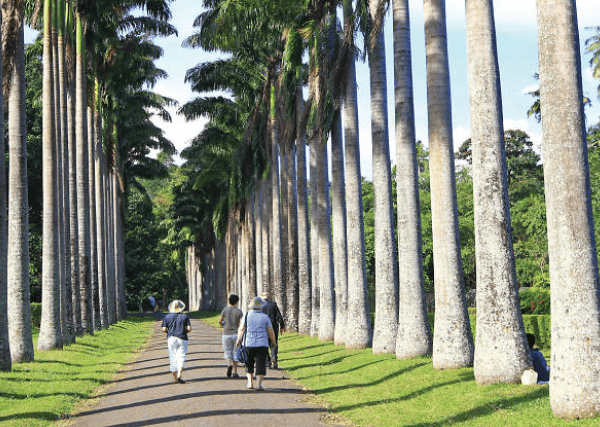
(259, 331)
(229, 320)
(271, 309)
(177, 325)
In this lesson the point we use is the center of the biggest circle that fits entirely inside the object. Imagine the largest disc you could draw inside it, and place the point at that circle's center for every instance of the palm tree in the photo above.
(83, 193)
(575, 288)
(453, 341)
(414, 335)
(304, 264)
(501, 349)
(50, 326)
(19, 312)
(386, 268)
(340, 241)
(5, 360)
(358, 328)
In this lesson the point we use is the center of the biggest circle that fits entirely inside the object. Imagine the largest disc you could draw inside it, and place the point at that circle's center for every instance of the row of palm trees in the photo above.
(98, 64)
(252, 227)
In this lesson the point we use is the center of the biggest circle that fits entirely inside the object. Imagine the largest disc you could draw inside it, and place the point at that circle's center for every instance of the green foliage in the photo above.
(538, 325)
(535, 300)
(43, 392)
(154, 267)
(36, 314)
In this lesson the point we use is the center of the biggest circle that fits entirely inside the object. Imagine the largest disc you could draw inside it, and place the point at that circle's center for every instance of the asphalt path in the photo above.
(142, 394)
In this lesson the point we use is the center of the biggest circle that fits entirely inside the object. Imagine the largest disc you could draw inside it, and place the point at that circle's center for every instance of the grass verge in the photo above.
(40, 393)
(379, 390)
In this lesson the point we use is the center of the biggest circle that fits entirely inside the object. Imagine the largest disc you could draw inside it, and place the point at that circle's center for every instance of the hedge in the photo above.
(537, 324)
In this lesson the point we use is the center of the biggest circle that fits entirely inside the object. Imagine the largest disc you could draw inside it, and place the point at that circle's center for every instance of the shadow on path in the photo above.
(143, 394)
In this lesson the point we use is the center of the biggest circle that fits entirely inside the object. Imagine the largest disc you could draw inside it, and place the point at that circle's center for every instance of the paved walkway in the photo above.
(143, 394)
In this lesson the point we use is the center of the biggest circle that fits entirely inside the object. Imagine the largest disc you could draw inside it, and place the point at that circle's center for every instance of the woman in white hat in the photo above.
(258, 332)
(177, 325)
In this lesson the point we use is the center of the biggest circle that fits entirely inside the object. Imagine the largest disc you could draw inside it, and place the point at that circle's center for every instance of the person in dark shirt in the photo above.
(271, 309)
(539, 361)
(177, 325)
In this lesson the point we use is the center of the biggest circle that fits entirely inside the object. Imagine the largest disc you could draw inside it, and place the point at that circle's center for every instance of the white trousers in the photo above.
(177, 350)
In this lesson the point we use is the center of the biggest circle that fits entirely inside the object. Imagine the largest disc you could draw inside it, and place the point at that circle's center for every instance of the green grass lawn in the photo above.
(379, 390)
(41, 392)
(358, 386)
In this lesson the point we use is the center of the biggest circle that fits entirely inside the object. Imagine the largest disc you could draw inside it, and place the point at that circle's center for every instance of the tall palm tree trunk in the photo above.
(73, 211)
(453, 340)
(386, 267)
(5, 360)
(50, 327)
(91, 146)
(83, 192)
(68, 328)
(292, 286)
(19, 311)
(304, 270)
(359, 333)
(414, 335)
(501, 349)
(575, 289)
(326, 292)
(314, 242)
(276, 282)
(340, 241)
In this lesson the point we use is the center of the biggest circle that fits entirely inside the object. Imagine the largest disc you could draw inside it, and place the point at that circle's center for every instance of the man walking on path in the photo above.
(271, 309)
(139, 396)
(229, 320)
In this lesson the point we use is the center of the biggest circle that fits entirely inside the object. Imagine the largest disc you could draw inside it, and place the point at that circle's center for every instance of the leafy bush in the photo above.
(535, 300)
(36, 313)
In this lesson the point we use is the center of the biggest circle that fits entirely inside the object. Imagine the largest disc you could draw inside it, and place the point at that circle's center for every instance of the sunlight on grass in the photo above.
(379, 390)
(41, 392)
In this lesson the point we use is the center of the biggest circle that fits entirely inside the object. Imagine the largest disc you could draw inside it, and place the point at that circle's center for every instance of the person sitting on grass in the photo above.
(539, 361)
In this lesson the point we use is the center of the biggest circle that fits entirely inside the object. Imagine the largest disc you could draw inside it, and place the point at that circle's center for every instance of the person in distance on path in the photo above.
(229, 320)
(177, 325)
(271, 309)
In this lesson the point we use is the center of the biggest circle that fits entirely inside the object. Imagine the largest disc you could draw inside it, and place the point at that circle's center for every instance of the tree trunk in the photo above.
(414, 335)
(386, 267)
(501, 349)
(19, 311)
(326, 292)
(575, 293)
(5, 360)
(453, 340)
(314, 242)
(359, 333)
(73, 211)
(277, 289)
(304, 273)
(50, 327)
(340, 242)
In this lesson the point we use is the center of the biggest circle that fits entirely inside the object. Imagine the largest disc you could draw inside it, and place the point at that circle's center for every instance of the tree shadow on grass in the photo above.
(388, 377)
(48, 416)
(487, 409)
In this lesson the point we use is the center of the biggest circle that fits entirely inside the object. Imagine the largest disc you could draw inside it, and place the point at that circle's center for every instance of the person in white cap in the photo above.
(177, 325)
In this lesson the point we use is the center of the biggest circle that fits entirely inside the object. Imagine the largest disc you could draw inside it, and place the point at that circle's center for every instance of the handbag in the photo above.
(242, 353)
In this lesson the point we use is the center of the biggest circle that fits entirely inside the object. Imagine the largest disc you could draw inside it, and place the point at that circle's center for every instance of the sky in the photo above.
(517, 55)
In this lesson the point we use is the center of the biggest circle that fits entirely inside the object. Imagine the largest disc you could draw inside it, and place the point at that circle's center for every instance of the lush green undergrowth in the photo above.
(39, 393)
(379, 390)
